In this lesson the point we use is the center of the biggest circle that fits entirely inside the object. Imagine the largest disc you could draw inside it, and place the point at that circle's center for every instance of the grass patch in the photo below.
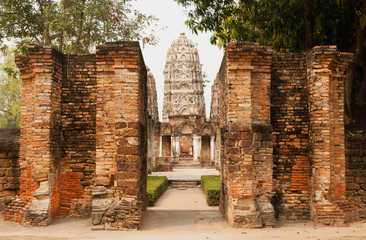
(210, 185)
(155, 187)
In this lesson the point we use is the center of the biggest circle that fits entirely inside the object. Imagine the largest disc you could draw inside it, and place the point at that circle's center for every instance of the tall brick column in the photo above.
(326, 73)
(246, 145)
(41, 74)
(120, 188)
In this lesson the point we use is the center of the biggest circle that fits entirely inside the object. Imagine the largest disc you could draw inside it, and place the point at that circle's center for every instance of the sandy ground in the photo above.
(180, 214)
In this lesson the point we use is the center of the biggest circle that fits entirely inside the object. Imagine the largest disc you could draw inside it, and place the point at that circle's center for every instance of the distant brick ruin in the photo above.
(91, 132)
(186, 137)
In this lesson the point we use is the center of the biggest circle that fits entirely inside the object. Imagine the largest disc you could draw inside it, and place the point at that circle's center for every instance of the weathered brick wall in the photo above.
(62, 120)
(9, 166)
(157, 127)
(222, 86)
(326, 69)
(246, 144)
(306, 108)
(290, 121)
(78, 136)
(75, 108)
(39, 161)
(121, 147)
(214, 111)
(356, 171)
(153, 119)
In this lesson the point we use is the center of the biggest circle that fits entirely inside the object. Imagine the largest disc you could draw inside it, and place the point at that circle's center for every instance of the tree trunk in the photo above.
(61, 43)
(61, 34)
(309, 27)
(80, 30)
(45, 35)
(362, 92)
(350, 101)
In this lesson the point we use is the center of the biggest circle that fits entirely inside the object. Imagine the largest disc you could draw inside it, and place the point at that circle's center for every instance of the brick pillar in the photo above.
(246, 145)
(326, 69)
(41, 74)
(120, 189)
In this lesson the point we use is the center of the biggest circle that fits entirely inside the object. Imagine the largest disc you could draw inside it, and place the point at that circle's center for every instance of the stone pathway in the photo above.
(183, 209)
(186, 174)
(187, 200)
(180, 215)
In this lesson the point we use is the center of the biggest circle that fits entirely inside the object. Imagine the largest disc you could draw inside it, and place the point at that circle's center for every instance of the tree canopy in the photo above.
(291, 26)
(73, 26)
(10, 89)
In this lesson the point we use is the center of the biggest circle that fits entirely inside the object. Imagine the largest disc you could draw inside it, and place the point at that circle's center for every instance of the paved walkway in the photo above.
(187, 200)
(186, 174)
(183, 210)
(180, 215)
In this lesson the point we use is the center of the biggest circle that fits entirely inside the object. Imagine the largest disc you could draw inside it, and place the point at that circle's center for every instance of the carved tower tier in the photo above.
(183, 85)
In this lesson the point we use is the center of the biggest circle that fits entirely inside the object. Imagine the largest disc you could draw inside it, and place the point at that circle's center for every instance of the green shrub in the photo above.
(211, 187)
(155, 187)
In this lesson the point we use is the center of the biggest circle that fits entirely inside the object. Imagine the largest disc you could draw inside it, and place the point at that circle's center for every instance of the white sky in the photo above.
(173, 16)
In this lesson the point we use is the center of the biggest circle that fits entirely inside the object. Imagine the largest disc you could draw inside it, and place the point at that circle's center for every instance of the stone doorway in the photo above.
(167, 146)
(186, 146)
(206, 151)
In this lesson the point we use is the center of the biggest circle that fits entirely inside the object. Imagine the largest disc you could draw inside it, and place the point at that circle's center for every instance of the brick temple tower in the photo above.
(185, 137)
(183, 85)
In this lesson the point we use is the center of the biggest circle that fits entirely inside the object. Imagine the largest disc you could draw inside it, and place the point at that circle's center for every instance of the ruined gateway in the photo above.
(91, 132)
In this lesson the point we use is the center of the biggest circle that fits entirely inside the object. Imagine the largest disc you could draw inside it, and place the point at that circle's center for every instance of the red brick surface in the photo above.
(290, 121)
(326, 69)
(39, 147)
(305, 108)
(246, 144)
(74, 109)
(9, 166)
(356, 170)
(121, 145)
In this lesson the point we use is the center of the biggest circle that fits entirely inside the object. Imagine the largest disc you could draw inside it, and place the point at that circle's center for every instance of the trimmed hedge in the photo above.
(210, 185)
(155, 187)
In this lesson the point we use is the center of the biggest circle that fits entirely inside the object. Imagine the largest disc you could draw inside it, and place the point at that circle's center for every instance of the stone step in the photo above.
(184, 184)
(186, 160)
(187, 166)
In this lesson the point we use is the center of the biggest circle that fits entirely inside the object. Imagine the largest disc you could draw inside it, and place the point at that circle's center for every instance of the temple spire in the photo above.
(183, 84)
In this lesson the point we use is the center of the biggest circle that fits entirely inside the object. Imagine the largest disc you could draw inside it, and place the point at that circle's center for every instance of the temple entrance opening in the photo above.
(187, 140)
(187, 137)
(205, 151)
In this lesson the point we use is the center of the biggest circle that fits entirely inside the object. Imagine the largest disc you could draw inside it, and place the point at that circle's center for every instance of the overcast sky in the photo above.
(173, 16)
